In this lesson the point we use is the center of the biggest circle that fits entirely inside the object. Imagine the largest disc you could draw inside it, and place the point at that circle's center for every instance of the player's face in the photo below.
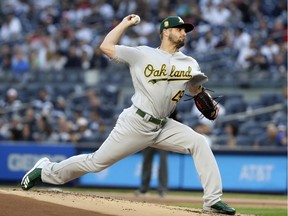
(177, 36)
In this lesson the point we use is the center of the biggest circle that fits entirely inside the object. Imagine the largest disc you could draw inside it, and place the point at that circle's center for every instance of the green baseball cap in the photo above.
(175, 21)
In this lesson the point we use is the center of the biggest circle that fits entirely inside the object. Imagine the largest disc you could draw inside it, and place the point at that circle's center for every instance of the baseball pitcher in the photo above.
(160, 77)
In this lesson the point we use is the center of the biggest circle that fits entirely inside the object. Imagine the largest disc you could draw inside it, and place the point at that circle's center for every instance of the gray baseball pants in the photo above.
(132, 134)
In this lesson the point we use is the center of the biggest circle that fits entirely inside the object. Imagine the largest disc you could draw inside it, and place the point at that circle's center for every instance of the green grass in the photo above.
(256, 196)
(263, 211)
(260, 211)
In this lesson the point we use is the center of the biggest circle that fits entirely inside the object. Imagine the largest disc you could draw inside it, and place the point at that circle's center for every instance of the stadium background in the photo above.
(60, 96)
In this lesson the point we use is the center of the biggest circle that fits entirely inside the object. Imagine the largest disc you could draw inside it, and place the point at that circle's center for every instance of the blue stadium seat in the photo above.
(268, 99)
(221, 140)
(246, 127)
(235, 106)
(244, 140)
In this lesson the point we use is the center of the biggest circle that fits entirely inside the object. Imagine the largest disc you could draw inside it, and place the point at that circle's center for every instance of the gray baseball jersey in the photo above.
(159, 78)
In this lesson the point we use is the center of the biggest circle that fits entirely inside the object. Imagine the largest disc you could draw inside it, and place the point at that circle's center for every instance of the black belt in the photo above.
(156, 121)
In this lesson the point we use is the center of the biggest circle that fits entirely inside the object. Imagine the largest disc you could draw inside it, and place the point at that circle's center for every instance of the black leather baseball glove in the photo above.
(206, 104)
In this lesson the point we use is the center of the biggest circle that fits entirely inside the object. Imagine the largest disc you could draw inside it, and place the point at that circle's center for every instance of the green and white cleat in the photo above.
(220, 207)
(33, 175)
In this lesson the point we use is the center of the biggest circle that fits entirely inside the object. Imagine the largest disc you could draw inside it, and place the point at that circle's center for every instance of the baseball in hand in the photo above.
(136, 19)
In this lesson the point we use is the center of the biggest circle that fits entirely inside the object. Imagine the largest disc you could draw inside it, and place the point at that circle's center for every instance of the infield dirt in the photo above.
(48, 202)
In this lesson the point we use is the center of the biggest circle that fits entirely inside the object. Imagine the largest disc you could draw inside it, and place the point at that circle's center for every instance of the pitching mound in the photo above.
(47, 202)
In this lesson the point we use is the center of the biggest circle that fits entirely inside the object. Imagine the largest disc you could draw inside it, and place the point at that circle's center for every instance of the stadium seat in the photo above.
(221, 140)
(246, 127)
(269, 99)
(233, 106)
(244, 140)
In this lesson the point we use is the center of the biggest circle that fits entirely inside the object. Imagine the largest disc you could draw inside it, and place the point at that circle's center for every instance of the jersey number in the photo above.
(178, 96)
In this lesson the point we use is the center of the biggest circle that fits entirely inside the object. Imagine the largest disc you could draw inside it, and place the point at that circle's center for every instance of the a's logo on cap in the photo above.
(166, 24)
(180, 20)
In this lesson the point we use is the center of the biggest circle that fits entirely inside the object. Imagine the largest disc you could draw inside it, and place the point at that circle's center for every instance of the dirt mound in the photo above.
(82, 204)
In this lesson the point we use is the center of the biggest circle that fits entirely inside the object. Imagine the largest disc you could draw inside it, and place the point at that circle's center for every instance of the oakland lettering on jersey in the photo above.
(161, 74)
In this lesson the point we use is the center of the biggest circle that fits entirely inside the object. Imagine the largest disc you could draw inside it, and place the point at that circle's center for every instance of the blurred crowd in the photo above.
(52, 119)
(56, 35)
(50, 35)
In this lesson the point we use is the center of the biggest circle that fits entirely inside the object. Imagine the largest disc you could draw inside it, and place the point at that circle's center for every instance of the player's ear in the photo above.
(164, 33)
